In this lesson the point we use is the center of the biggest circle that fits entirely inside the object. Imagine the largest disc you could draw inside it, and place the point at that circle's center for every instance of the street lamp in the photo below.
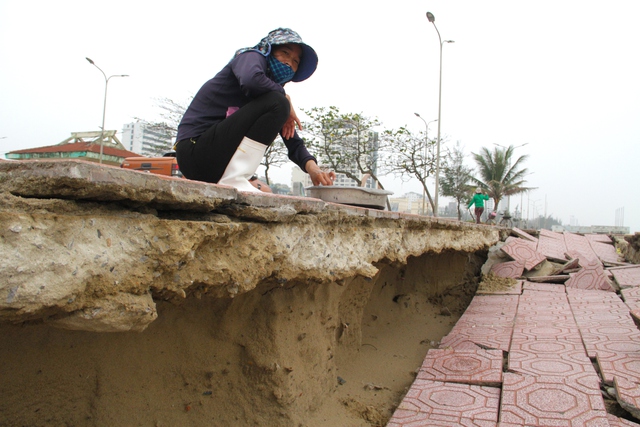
(432, 19)
(104, 108)
(426, 146)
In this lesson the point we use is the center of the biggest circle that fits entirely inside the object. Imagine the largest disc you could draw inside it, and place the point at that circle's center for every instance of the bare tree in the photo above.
(345, 142)
(411, 156)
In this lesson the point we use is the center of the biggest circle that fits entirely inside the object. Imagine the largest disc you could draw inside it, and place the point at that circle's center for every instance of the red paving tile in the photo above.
(576, 243)
(566, 364)
(545, 331)
(552, 401)
(602, 238)
(605, 252)
(509, 269)
(623, 365)
(627, 277)
(435, 403)
(628, 395)
(620, 422)
(551, 333)
(476, 367)
(524, 234)
(488, 337)
(543, 287)
(523, 251)
(590, 278)
(631, 293)
(552, 247)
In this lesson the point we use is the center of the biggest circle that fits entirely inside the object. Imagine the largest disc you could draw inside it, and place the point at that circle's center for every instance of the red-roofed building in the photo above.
(82, 146)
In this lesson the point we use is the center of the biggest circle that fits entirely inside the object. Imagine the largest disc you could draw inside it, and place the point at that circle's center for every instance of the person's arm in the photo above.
(317, 175)
(289, 128)
(250, 68)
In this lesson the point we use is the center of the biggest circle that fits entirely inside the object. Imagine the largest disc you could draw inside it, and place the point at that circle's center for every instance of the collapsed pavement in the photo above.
(117, 284)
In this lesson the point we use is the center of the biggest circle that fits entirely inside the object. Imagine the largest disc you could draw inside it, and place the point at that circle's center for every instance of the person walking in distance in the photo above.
(478, 200)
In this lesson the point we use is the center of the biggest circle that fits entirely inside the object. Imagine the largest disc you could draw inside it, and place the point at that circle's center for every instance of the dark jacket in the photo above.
(241, 80)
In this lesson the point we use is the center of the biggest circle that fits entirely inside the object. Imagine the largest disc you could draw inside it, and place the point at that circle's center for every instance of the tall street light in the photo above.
(426, 146)
(432, 19)
(104, 108)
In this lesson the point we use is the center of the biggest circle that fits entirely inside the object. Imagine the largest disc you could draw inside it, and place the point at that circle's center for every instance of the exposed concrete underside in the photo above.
(100, 249)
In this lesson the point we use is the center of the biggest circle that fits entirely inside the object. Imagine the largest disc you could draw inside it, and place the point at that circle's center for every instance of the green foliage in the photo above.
(345, 142)
(498, 175)
(456, 176)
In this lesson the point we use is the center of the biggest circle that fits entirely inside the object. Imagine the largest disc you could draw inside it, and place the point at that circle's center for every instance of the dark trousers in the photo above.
(207, 158)
(478, 213)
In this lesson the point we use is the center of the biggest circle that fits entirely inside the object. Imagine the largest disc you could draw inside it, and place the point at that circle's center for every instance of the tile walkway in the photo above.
(540, 354)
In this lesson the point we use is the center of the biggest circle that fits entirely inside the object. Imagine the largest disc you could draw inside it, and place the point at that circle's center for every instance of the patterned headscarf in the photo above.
(308, 61)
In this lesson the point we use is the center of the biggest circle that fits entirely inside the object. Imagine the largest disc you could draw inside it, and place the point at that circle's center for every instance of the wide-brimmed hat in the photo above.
(308, 61)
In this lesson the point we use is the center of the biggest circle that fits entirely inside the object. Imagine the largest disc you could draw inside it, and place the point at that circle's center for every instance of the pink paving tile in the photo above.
(602, 238)
(551, 234)
(576, 243)
(486, 337)
(590, 295)
(613, 346)
(474, 320)
(476, 367)
(543, 287)
(583, 260)
(549, 347)
(627, 277)
(620, 422)
(606, 252)
(558, 332)
(628, 395)
(603, 314)
(509, 269)
(590, 278)
(552, 248)
(493, 304)
(566, 364)
(524, 251)
(624, 365)
(552, 401)
(597, 333)
(523, 318)
(435, 403)
(524, 235)
(630, 293)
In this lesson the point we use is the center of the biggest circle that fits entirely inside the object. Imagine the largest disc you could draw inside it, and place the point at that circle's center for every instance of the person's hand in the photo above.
(318, 176)
(289, 128)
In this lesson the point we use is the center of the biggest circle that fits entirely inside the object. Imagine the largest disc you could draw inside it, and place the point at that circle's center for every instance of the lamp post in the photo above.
(426, 145)
(104, 108)
(432, 19)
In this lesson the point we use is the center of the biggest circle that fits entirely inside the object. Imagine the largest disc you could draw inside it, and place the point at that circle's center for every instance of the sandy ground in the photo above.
(304, 355)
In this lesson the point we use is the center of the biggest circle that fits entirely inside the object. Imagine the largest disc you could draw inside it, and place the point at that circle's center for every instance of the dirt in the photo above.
(292, 354)
(492, 283)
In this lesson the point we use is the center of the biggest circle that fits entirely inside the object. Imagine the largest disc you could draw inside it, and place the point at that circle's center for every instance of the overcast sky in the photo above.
(562, 77)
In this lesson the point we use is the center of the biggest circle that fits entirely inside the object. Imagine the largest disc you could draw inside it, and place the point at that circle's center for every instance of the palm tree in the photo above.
(498, 175)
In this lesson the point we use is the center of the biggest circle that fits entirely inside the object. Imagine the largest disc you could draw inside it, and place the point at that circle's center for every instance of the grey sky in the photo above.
(561, 76)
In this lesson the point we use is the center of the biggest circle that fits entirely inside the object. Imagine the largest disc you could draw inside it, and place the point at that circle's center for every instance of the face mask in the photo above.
(280, 73)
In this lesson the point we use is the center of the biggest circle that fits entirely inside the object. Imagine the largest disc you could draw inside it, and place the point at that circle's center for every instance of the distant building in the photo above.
(148, 139)
(81, 146)
(408, 203)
